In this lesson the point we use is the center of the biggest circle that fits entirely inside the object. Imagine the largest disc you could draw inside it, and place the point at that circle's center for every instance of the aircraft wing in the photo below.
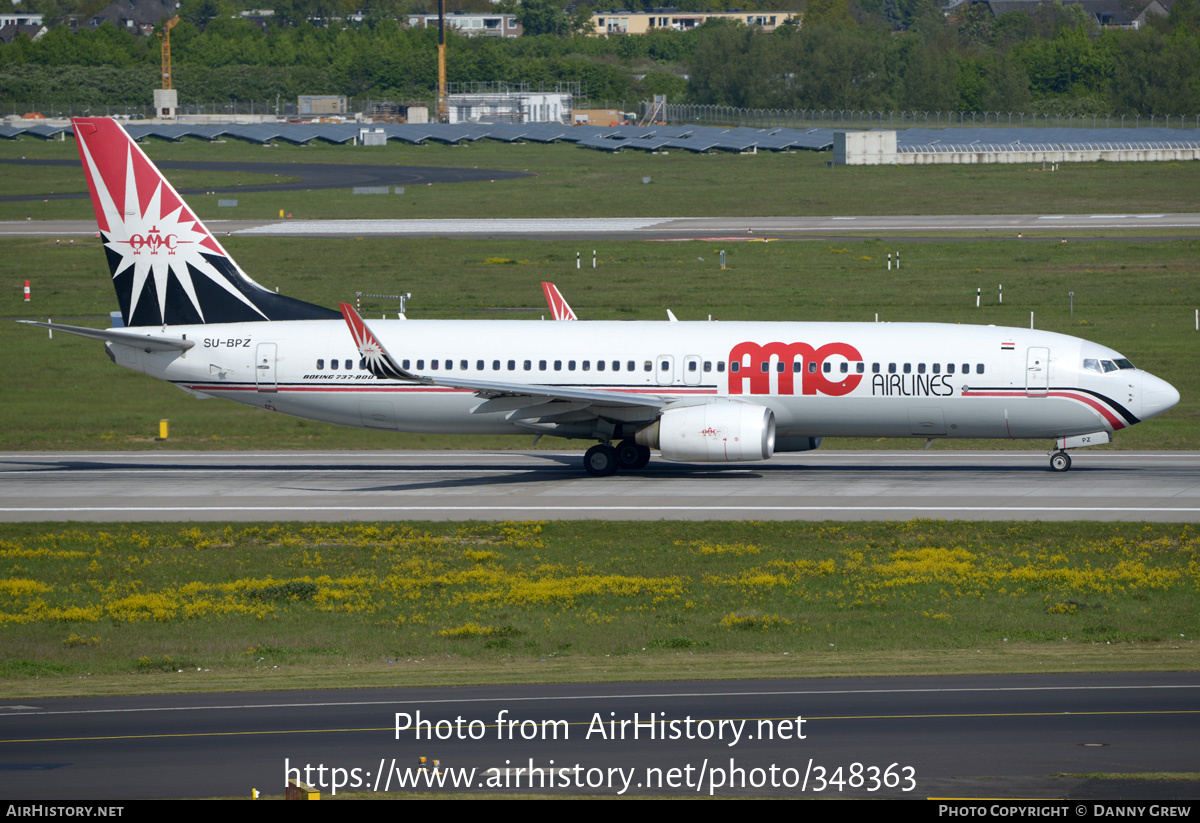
(384, 366)
(125, 338)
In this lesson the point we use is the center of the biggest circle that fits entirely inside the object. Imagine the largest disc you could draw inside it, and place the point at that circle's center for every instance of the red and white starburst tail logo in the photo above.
(160, 246)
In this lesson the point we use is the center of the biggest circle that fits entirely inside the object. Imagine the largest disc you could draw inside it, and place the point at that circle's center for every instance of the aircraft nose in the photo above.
(1157, 396)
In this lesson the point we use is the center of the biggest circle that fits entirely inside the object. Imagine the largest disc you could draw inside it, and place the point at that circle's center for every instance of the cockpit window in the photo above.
(1091, 364)
(1124, 364)
(1108, 366)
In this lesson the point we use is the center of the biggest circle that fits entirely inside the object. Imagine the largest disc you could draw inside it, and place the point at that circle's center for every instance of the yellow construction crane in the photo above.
(165, 34)
(442, 114)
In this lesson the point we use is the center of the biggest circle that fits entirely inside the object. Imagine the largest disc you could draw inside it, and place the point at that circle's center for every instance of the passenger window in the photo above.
(845, 368)
(420, 365)
(541, 365)
(333, 364)
(979, 368)
(735, 366)
(570, 365)
(404, 365)
(812, 367)
(779, 366)
(478, 365)
(647, 366)
(874, 368)
(449, 365)
(862, 368)
(764, 366)
(937, 368)
(512, 365)
(708, 365)
(891, 368)
(558, 365)
(664, 366)
(908, 368)
(464, 365)
(827, 367)
(528, 365)
(433, 364)
(362, 364)
(616, 365)
(692, 365)
(495, 365)
(630, 366)
(599, 365)
(720, 365)
(966, 368)
(949, 368)
(321, 365)
(920, 368)
(587, 365)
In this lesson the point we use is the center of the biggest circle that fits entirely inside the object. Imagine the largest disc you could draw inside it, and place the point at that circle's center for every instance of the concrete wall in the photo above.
(873, 148)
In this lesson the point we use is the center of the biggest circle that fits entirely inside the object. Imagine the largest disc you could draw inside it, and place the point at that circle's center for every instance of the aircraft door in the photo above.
(264, 367)
(1037, 372)
(691, 370)
(664, 369)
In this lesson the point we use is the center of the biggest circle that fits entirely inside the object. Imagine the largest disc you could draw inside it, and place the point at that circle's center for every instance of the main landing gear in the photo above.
(1060, 461)
(602, 460)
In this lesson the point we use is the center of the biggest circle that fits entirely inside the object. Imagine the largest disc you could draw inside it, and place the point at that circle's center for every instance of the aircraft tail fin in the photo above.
(559, 309)
(167, 268)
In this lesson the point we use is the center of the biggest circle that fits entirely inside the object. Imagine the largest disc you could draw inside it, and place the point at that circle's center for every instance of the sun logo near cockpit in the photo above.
(754, 363)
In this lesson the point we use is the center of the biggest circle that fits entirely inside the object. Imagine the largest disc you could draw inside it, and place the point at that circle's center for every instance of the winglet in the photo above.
(378, 361)
(559, 309)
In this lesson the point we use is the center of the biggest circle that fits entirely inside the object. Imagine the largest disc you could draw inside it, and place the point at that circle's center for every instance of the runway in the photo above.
(450, 485)
(670, 228)
(312, 176)
(983, 736)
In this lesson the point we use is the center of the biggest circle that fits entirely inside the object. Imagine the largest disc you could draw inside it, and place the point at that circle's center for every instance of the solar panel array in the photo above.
(604, 138)
(659, 138)
(995, 140)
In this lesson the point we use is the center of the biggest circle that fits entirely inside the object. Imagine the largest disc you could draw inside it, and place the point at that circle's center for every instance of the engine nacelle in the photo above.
(715, 433)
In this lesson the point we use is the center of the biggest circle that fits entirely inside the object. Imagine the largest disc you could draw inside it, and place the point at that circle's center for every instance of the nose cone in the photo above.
(1157, 396)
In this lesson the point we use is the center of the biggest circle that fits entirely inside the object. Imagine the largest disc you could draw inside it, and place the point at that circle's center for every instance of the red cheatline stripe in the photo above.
(1114, 420)
(209, 388)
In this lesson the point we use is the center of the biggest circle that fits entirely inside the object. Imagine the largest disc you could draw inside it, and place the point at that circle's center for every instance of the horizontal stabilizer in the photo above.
(125, 338)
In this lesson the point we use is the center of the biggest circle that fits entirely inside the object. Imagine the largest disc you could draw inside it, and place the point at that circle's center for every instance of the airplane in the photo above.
(559, 309)
(703, 391)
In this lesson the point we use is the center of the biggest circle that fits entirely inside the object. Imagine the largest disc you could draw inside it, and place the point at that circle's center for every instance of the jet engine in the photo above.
(714, 433)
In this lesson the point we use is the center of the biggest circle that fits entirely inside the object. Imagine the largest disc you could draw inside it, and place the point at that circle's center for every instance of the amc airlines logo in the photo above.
(154, 241)
(746, 366)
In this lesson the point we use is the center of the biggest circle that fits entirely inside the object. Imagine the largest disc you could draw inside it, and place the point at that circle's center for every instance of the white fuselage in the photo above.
(820, 379)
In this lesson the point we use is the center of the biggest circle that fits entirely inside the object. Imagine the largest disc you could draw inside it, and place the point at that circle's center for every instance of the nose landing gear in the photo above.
(1060, 461)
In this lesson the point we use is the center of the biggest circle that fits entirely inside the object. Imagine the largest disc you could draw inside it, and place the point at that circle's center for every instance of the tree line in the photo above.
(894, 55)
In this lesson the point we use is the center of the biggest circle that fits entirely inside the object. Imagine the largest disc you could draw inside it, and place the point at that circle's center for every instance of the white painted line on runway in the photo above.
(1053, 217)
(606, 509)
(640, 696)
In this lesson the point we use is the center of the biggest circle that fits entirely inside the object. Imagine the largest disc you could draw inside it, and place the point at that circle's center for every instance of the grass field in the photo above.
(1137, 297)
(82, 609)
(574, 182)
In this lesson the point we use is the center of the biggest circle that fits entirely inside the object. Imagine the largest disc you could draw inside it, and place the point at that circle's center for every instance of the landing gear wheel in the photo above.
(600, 460)
(631, 456)
(1060, 461)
